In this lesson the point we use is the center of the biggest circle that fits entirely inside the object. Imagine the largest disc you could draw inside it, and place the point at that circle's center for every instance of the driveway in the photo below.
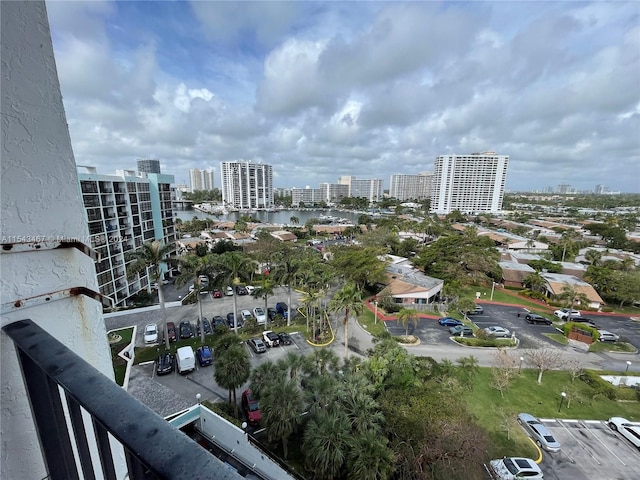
(590, 451)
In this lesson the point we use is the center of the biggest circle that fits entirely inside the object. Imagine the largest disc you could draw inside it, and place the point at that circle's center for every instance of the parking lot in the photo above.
(530, 335)
(590, 451)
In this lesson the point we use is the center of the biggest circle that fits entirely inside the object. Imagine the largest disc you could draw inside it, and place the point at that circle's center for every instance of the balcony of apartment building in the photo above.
(121, 199)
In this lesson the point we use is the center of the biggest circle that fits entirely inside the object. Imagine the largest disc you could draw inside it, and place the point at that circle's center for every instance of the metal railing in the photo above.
(153, 449)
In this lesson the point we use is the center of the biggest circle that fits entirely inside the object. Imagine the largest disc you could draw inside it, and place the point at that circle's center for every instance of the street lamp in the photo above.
(198, 397)
(375, 315)
(628, 365)
(520, 367)
(562, 397)
(493, 286)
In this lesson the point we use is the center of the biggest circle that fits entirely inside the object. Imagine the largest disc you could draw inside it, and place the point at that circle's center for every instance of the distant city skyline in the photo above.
(367, 89)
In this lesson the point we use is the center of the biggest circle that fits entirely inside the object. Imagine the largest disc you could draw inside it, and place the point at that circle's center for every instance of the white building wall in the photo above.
(40, 199)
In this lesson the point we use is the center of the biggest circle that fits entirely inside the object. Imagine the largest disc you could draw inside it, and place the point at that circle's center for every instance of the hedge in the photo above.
(594, 380)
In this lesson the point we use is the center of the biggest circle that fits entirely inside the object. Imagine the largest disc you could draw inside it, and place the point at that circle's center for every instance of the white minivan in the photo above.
(185, 359)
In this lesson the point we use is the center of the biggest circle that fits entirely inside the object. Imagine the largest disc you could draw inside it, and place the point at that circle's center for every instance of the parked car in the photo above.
(565, 313)
(228, 291)
(512, 468)
(460, 330)
(230, 318)
(204, 355)
(185, 359)
(607, 336)
(285, 338)
(251, 408)
(205, 324)
(151, 333)
(282, 309)
(257, 345)
(186, 331)
(216, 293)
(535, 318)
(497, 332)
(629, 430)
(271, 338)
(204, 280)
(250, 289)
(261, 316)
(246, 315)
(241, 290)
(164, 364)
(171, 331)
(449, 322)
(272, 313)
(218, 321)
(540, 434)
(478, 310)
(584, 321)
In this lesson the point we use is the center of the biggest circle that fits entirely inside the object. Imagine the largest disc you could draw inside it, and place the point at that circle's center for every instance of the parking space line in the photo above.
(605, 445)
(580, 442)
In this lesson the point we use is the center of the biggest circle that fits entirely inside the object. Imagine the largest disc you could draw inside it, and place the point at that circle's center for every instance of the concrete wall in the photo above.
(40, 201)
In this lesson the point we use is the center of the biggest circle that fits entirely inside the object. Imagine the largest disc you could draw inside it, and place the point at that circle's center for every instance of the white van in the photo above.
(185, 360)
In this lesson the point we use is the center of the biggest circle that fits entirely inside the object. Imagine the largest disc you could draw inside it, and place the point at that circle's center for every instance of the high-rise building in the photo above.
(201, 179)
(471, 183)
(124, 211)
(148, 165)
(371, 189)
(246, 184)
(307, 196)
(411, 187)
(564, 188)
(334, 192)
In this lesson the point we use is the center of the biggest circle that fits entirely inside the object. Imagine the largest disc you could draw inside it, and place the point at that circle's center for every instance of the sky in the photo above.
(370, 89)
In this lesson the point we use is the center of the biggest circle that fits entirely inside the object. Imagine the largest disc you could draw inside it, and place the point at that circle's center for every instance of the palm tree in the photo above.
(265, 291)
(263, 375)
(150, 258)
(193, 266)
(321, 392)
(281, 406)
(571, 295)
(349, 299)
(294, 220)
(235, 266)
(326, 441)
(287, 269)
(535, 282)
(232, 369)
(406, 316)
(370, 458)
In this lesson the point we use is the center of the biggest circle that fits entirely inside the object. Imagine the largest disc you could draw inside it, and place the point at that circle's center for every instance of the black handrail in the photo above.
(154, 449)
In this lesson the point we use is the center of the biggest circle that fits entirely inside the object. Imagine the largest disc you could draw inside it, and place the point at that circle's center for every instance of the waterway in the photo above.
(280, 217)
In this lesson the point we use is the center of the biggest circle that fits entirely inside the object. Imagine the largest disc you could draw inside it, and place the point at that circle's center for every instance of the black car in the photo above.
(230, 316)
(206, 325)
(272, 313)
(584, 321)
(204, 355)
(164, 364)
(186, 331)
(218, 321)
(241, 290)
(257, 345)
(285, 339)
(535, 318)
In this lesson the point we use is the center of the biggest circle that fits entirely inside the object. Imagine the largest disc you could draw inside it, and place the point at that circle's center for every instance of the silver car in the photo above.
(540, 434)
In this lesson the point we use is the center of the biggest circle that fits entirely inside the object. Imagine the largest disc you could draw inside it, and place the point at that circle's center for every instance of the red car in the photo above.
(171, 331)
(215, 293)
(251, 408)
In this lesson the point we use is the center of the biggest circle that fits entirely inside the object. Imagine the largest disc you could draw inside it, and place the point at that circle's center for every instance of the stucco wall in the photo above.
(40, 201)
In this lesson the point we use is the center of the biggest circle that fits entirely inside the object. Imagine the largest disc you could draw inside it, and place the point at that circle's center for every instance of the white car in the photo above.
(565, 313)
(629, 430)
(151, 333)
(246, 315)
(271, 339)
(497, 332)
(513, 468)
(228, 291)
(607, 336)
(261, 316)
(250, 289)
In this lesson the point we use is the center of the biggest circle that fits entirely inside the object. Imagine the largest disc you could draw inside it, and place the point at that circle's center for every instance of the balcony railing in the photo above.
(153, 449)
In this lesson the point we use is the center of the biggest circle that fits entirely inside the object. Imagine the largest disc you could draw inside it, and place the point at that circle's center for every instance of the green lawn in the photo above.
(557, 337)
(367, 320)
(119, 365)
(611, 347)
(526, 395)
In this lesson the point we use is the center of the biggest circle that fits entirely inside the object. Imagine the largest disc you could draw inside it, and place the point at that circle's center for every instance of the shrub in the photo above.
(600, 386)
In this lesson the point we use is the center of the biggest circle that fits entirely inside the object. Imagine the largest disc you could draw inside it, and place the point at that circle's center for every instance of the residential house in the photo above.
(409, 286)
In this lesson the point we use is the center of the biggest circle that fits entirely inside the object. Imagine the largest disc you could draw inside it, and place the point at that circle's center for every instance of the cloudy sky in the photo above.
(323, 89)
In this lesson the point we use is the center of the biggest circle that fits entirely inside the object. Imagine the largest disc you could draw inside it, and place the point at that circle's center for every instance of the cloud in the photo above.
(320, 90)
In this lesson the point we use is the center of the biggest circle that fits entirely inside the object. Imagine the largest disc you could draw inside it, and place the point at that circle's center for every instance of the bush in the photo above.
(486, 342)
(599, 385)
(581, 326)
